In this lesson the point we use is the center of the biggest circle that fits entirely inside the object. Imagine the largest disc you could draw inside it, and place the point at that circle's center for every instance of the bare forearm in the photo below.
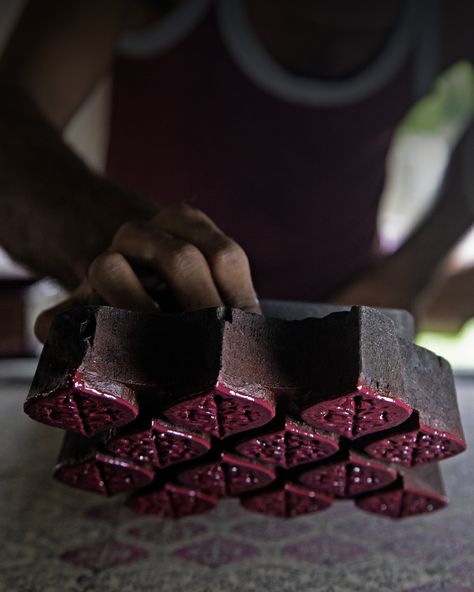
(55, 214)
(61, 219)
(450, 218)
(398, 280)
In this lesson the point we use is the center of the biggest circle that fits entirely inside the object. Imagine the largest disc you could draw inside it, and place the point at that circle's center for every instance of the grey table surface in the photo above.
(55, 538)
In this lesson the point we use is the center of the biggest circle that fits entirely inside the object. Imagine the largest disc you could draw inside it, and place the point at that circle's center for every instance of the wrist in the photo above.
(104, 209)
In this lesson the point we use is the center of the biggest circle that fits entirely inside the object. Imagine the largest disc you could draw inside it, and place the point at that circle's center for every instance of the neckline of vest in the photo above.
(258, 65)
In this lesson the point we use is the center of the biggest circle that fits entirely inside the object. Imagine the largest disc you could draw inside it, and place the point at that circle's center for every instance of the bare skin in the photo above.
(87, 232)
(199, 263)
(400, 280)
(62, 220)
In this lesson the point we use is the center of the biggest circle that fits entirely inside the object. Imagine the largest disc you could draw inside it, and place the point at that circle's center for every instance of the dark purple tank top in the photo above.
(296, 185)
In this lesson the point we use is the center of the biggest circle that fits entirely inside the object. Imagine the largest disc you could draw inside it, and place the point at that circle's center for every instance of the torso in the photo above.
(290, 166)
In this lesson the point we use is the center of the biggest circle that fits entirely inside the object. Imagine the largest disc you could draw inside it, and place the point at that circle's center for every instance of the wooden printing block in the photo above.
(82, 465)
(64, 393)
(348, 474)
(219, 371)
(169, 500)
(403, 321)
(417, 491)
(353, 373)
(341, 373)
(286, 500)
(313, 364)
(241, 396)
(97, 358)
(156, 442)
(288, 443)
(434, 431)
(226, 475)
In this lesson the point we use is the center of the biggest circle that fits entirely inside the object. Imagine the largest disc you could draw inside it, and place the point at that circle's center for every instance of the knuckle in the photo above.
(229, 255)
(183, 257)
(106, 264)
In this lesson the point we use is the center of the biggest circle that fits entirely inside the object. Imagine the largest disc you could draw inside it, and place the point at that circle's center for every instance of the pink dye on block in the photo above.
(293, 444)
(400, 503)
(434, 431)
(171, 501)
(83, 406)
(160, 445)
(357, 414)
(228, 475)
(350, 476)
(103, 474)
(222, 411)
(419, 446)
(418, 490)
(286, 501)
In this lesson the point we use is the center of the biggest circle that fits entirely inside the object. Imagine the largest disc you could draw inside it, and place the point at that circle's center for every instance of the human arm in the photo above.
(404, 278)
(56, 215)
(400, 279)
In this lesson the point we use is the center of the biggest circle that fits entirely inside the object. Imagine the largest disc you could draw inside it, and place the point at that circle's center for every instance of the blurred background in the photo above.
(415, 168)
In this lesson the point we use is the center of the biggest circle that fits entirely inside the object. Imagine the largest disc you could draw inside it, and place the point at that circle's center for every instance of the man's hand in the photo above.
(181, 245)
